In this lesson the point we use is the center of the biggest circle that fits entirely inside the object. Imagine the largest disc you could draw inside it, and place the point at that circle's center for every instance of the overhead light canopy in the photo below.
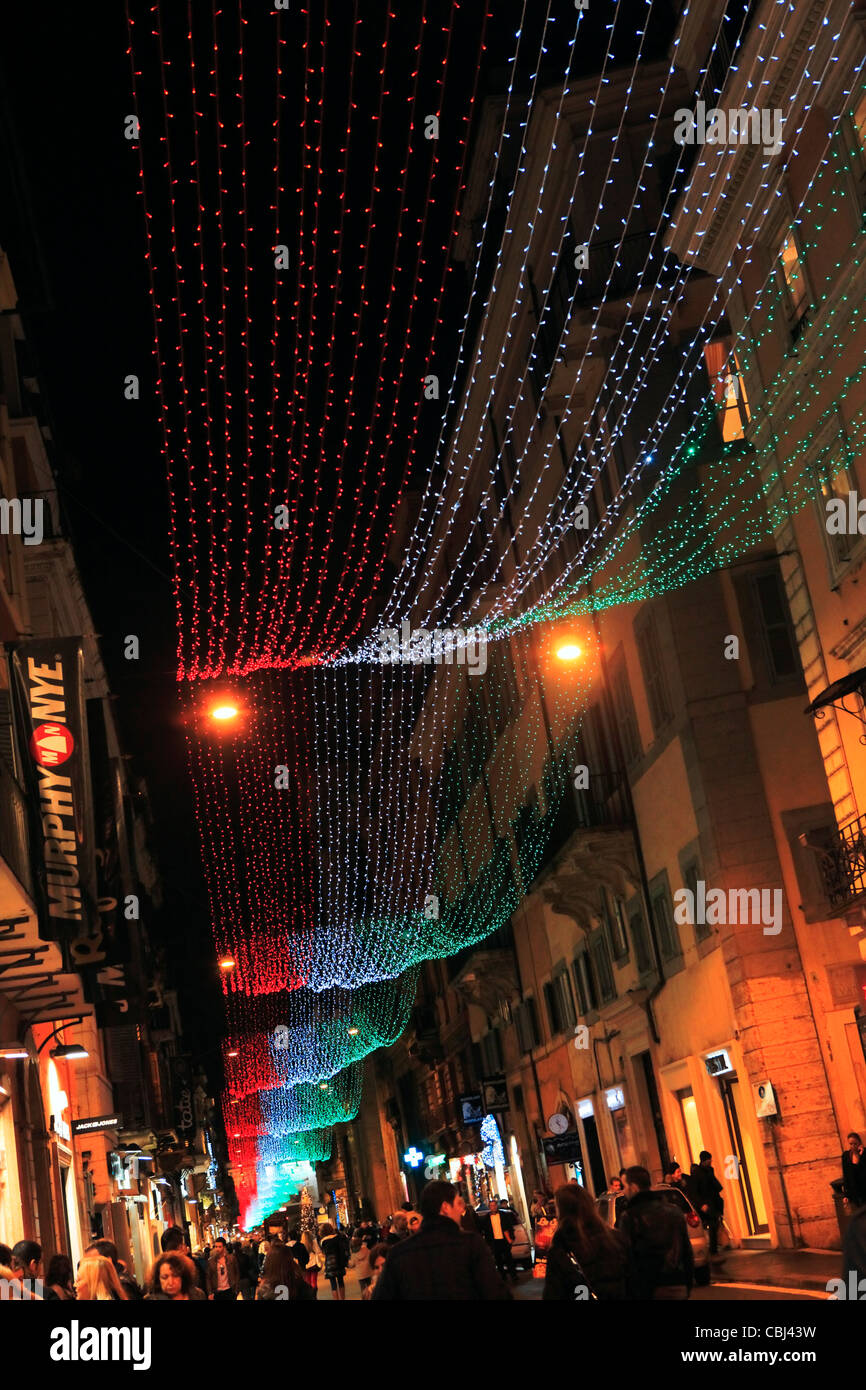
(11, 1051)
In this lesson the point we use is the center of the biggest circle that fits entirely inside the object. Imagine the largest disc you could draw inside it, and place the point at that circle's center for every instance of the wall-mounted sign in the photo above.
(413, 1157)
(615, 1098)
(557, 1124)
(765, 1099)
(563, 1148)
(95, 1123)
(718, 1063)
(494, 1094)
(472, 1111)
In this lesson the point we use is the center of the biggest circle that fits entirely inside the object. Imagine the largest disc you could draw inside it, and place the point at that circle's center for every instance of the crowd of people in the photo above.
(445, 1250)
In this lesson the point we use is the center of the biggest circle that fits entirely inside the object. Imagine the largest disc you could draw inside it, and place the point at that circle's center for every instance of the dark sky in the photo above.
(72, 228)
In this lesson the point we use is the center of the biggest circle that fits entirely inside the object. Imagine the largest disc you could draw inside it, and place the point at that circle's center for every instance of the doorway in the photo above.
(592, 1148)
(742, 1149)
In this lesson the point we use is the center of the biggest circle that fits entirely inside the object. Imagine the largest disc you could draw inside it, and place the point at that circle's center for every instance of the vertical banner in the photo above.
(48, 691)
(105, 962)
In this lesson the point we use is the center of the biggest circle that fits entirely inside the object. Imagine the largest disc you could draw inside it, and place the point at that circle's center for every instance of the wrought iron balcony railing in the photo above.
(843, 864)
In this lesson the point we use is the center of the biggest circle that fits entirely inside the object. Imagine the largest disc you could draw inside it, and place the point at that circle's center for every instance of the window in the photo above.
(835, 473)
(794, 280)
(691, 874)
(655, 680)
(729, 389)
(560, 1003)
(584, 980)
(527, 1025)
(775, 621)
(602, 966)
(491, 1053)
(624, 711)
(615, 917)
(639, 936)
(668, 937)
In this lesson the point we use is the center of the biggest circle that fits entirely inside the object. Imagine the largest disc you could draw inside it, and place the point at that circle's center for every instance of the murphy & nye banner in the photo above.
(48, 689)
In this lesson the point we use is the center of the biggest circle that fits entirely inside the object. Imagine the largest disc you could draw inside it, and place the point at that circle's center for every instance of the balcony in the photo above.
(843, 865)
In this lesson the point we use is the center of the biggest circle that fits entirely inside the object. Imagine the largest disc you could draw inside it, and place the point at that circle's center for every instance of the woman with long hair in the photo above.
(586, 1258)
(315, 1259)
(59, 1277)
(281, 1279)
(97, 1280)
(173, 1279)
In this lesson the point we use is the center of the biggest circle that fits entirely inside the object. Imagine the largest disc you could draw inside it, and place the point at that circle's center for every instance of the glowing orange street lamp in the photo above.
(569, 651)
(224, 713)
(227, 964)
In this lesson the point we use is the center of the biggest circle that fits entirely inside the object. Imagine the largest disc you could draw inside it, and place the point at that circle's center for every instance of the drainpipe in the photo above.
(613, 729)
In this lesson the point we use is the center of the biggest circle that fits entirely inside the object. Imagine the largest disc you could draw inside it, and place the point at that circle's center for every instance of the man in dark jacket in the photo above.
(658, 1237)
(497, 1228)
(854, 1171)
(441, 1262)
(705, 1191)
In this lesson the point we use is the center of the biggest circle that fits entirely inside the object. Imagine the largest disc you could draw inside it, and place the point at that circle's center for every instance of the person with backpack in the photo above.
(586, 1260)
(335, 1249)
(662, 1263)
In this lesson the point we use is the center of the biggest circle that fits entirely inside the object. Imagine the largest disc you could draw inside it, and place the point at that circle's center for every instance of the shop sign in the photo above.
(562, 1148)
(95, 1123)
(472, 1111)
(765, 1100)
(48, 691)
(615, 1098)
(494, 1093)
(718, 1063)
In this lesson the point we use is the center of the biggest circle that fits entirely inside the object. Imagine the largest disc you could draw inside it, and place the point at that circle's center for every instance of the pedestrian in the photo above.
(108, 1250)
(223, 1279)
(441, 1262)
(586, 1260)
(97, 1280)
(245, 1279)
(282, 1280)
(674, 1177)
(26, 1263)
(298, 1250)
(469, 1220)
(6, 1255)
(173, 1279)
(378, 1256)
(662, 1265)
(264, 1251)
(315, 1259)
(705, 1192)
(59, 1277)
(413, 1222)
(854, 1172)
(399, 1228)
(537, 1205)
(854, 1252)
(335, 1249)
(361, 1254)
(173, 1241)
(498, 1230)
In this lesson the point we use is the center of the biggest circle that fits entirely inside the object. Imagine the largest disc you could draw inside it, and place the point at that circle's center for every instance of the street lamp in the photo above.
(224, 714)
(570, 651)
(227, 964)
